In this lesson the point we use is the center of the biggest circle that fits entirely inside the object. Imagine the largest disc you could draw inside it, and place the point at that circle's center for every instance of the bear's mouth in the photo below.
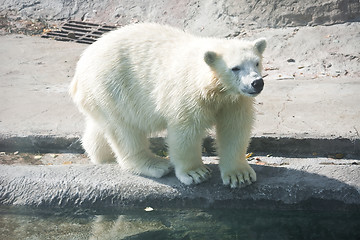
(250, 92)
(254, 94)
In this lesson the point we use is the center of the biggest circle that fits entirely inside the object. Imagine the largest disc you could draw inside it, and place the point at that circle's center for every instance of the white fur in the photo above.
(148, 77)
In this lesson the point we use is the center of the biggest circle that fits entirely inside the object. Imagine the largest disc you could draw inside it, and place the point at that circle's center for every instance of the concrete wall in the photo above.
(208, 17)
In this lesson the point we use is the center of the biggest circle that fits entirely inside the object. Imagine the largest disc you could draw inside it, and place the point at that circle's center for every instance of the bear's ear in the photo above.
(210, 58)
(260, 45)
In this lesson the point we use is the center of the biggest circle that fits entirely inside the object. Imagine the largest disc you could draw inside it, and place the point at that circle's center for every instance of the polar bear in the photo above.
(148, 77)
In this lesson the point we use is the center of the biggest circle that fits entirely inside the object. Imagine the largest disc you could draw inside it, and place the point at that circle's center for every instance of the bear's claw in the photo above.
(196, 176)
(239, 178)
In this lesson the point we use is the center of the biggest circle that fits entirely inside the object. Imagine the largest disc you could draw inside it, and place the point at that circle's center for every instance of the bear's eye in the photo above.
(236, 69)
(257, 64)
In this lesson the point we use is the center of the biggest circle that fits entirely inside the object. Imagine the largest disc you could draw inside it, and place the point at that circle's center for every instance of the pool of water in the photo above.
(35, 223)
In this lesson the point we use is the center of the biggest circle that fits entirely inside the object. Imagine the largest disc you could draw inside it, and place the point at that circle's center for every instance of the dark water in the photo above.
(25, 223)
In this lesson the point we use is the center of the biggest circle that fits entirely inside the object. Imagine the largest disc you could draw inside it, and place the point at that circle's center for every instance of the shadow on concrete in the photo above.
(102, 186)
(287, 146)
(276, 187)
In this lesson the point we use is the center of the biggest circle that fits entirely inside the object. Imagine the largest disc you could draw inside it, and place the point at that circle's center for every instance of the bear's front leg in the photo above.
(233, 130)
(185, 155)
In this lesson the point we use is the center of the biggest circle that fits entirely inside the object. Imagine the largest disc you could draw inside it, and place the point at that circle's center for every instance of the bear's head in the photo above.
(237, 64)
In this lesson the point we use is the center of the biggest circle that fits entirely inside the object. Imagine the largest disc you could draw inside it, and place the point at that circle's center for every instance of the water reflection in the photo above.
(20, 223)
(123, 227)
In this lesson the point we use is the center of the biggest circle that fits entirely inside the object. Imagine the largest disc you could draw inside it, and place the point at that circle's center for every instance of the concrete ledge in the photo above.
(40, 143)
(269, 145)
(297, 187)
(306, 146)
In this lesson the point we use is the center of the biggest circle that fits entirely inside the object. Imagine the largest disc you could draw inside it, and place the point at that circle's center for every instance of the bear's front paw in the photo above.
(239, 177)
(194, 176)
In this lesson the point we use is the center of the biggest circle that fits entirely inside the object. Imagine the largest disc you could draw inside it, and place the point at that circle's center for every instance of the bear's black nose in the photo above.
(258, 85)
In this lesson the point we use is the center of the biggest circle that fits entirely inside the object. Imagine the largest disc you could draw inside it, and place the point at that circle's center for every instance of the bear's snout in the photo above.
(258, 85)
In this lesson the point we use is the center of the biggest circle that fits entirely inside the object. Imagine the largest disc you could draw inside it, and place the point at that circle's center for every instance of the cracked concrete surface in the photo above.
(320, 107)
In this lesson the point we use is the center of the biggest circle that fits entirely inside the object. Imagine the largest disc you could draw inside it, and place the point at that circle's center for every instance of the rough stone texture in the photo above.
(299, 185)
(215, 17)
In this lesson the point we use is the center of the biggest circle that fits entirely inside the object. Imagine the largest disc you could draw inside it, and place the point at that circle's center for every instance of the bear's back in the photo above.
(133, 46)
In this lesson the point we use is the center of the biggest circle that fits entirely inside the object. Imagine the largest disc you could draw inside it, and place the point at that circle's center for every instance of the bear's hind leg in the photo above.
(96, 145)
(131, 147)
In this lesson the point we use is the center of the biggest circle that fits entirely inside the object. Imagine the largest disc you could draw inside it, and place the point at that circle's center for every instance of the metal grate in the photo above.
(80, 32)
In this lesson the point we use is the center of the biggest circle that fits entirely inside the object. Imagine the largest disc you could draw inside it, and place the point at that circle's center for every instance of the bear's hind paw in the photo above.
(158, 168)
(195, 176)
